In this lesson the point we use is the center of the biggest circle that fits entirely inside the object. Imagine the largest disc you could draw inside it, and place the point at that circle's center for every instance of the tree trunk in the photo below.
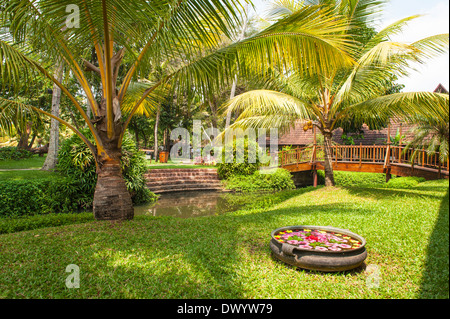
(158, 113)
(24, 136)
(112, 201)
(328, 160)
(52, 155)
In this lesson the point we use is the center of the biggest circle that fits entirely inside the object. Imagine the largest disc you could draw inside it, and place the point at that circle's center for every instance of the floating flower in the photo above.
(311, 239)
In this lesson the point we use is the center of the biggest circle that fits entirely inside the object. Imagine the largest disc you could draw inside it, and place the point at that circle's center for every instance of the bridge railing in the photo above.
(375, 154)
(418, 157)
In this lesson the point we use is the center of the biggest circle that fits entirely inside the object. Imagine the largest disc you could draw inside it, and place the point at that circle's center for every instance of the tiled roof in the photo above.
(297, 136)
(440, 89)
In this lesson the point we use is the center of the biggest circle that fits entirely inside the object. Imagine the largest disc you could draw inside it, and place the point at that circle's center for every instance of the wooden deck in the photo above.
(391, 160)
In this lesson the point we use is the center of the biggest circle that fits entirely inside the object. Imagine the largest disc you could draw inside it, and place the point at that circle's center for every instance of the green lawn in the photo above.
(228, 256)
(25, 175)
(34, 162)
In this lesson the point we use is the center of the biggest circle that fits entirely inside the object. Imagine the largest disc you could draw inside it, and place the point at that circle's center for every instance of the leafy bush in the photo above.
(41, 196)
(13, 153)
(280, 179)
(353, 179)
(77, 162)
(229, 166)
(404, 182)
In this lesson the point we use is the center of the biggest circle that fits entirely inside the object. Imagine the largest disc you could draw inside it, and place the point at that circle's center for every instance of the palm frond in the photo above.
(408, 106)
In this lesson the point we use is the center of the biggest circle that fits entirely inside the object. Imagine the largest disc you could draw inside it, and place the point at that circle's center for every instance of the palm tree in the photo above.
(338, 97)
(128, 38)
(432, 135)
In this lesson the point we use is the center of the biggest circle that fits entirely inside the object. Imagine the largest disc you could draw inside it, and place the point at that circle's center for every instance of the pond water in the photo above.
(195, 204)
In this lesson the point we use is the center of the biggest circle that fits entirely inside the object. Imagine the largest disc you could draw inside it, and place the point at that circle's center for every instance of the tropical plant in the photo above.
(127, 39)
(430, 135)
(77, 162)
(333, 97)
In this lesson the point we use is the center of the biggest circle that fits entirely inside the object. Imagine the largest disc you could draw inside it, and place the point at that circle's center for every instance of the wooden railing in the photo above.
(374, 154)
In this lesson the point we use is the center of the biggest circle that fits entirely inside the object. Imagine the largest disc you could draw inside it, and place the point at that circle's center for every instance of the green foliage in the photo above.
(230, 165)
(77, 162)
(12, 225)
(353, 179)
(41, 196)
(404, 182)
(279, 179)
(13, 153)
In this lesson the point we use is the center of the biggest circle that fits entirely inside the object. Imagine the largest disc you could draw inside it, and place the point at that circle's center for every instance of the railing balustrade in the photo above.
(374, 154)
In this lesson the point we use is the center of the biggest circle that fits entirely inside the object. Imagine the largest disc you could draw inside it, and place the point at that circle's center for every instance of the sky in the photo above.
(435, 20)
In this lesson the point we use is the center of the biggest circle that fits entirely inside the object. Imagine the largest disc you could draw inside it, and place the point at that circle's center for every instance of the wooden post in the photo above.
(360, 154)
(314, 175)
(439, 168)
(373, 154)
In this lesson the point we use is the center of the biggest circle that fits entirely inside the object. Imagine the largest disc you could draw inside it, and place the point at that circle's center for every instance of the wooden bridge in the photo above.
(388, 159)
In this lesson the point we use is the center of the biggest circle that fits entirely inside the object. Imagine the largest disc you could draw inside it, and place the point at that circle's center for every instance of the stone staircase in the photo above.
(182, 179)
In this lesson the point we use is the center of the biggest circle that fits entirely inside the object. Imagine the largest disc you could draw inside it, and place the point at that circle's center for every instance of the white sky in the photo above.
(435, 21)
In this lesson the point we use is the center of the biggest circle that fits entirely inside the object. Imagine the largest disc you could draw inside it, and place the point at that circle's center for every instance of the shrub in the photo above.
(280, 179)
(77, 162)
(13, 153)
(229, 166)
(353, 179)
(404, 182)
(41, 196)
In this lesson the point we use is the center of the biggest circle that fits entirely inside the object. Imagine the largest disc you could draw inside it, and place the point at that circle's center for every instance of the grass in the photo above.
(26, 175)
(228, 256)
(170, 164)
(34, 162)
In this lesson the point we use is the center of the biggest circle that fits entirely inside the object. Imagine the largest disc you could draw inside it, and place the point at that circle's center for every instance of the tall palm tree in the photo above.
(337, 97)
(33, 37)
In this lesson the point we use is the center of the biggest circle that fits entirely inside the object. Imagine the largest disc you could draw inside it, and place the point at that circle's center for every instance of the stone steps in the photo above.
(176, 180)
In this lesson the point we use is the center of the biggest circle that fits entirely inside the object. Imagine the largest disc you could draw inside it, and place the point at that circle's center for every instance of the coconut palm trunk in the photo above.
(328, 158)
(112, 201)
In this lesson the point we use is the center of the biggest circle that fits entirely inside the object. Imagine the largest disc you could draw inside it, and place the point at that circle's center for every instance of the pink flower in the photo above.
(320, 248)
(344, 246)
(334, 248)
(305, 246)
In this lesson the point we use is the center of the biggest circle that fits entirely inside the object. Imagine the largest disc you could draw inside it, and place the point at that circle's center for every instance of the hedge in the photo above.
(42, 196)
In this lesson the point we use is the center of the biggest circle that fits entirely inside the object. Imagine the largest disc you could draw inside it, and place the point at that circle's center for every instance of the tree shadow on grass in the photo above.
(205, 257)
(435, 277)
(393, 193)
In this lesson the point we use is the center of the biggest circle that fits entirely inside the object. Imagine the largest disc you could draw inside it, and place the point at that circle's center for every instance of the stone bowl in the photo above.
(319, 260)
